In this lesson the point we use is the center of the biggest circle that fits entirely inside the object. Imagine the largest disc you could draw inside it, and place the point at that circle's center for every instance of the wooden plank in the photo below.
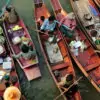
(60, 66)
(32, 73)
(92, 66)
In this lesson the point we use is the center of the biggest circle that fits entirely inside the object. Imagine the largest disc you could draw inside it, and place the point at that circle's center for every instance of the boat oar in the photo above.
(68, 88)
(37, 30)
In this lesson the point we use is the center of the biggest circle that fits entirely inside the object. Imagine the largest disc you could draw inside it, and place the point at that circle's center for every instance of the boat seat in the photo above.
(92, 66)
(60, 66)
(32, 73)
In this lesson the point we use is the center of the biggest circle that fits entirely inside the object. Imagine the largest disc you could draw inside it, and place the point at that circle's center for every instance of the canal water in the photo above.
(44, 88)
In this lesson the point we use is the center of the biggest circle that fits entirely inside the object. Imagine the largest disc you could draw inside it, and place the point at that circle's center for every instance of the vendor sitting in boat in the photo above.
(68, 24)
(95, 37)
(48, 25)
(40, 21)
(77, 46)
(66, 81)
(26, 52)
(10, 15)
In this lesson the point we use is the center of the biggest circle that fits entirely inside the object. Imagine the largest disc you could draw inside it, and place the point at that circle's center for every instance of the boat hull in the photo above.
(63, 65)
(29, 66)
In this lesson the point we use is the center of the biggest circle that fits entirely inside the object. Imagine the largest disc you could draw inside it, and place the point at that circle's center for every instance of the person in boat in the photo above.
(68, 24)
(95, 37)
(10, 15)
(14, 81)
(26, 52)
(7, 80)
(65, 82)
(48, 25)
(40, 21)
(77, 46)
(97, 27)
(12, 93)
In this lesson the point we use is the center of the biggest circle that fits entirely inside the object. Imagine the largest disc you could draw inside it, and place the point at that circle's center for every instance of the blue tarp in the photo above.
(93, 10)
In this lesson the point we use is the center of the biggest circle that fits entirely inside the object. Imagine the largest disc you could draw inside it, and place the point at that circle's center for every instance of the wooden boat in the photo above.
(56, 54)
(81, 8)
(5, 59)
(88, 61)
(29, 66)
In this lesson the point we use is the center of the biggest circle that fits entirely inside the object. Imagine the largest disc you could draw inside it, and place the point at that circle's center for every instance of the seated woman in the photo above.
(66, 81)
(77, 46)
(48, 24)
(26, 52)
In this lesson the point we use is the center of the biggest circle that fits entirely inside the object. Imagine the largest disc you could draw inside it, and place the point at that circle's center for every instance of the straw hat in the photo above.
(12, 93)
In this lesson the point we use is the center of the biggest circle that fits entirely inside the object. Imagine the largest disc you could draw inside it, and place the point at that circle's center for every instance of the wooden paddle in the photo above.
(38, 30)
(68, 88)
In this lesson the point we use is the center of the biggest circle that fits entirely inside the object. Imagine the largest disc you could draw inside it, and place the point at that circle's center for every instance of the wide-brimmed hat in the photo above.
(12, 93)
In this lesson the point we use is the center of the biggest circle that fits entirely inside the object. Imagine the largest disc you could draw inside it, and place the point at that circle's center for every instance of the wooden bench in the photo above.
(32, 73)
(92, 66)
(60, 66)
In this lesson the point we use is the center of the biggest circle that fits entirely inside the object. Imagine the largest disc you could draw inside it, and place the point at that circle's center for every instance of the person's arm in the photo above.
(98, 51)
(34, 52)
(17, 56)
(60, 84)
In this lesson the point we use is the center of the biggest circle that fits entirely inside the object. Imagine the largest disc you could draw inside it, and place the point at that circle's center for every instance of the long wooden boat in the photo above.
(59, 60)
(88, 61)
(29, 66)
(10, 70)
(83, 8)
